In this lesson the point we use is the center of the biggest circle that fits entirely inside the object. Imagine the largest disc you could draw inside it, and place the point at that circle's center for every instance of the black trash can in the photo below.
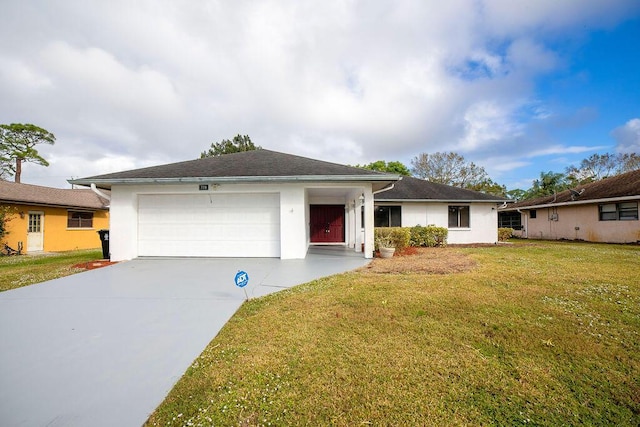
(104, 238)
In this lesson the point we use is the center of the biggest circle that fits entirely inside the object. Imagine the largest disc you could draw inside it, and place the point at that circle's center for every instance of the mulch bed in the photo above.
(423, 260)
(92, 265)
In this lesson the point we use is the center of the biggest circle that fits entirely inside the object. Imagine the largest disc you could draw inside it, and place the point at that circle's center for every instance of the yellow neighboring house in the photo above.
(53, 219)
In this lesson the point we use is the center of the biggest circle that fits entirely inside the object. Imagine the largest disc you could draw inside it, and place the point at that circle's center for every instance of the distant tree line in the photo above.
(453, 169)
(443, 168)
(591, 169)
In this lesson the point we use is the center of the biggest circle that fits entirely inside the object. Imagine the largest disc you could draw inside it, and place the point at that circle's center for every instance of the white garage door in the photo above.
(209, 225)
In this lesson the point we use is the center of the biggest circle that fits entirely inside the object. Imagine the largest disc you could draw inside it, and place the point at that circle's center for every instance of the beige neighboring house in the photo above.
(602, 211)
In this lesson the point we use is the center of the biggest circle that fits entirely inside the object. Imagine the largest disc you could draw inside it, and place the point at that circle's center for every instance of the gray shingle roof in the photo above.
(27, 194)
(624, 185)
(256, 163)
(410, 188)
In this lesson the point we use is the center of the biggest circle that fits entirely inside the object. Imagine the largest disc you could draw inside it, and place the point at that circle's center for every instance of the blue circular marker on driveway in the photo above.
(242, 278)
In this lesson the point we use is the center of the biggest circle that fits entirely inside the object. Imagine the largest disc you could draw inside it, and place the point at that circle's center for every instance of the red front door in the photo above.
(327, 223)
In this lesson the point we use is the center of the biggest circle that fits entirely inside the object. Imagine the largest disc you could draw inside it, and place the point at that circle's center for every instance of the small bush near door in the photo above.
(429, 236)
(504, 234)
(398, 237)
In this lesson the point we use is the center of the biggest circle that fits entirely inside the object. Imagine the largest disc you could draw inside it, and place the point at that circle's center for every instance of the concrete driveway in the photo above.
(104, 347)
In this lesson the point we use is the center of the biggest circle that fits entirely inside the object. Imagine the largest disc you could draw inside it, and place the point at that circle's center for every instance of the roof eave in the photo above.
(572, 203)
(54, 205)
(439, 200)
(235, 179)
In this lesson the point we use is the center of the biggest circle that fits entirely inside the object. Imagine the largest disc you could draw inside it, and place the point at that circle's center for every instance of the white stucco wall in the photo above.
(483, 220)
(124, 215)
(293, 242)
(483, 225)
(123, 224)
(294, 211)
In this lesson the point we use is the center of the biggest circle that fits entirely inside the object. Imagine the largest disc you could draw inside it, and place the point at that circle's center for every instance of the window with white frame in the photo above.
(459, 217)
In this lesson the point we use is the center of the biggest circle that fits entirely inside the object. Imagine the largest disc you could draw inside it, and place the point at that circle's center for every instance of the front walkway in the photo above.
(104, 347)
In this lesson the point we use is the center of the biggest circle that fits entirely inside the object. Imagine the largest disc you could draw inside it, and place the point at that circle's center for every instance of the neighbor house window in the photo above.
(387, 216)
(618, 211)
(80, 219)
(458, 216)
(510, 220)
(533, 213)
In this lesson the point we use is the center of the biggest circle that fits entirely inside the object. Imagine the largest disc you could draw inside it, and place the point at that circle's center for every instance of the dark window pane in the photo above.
(608, 212)
(396, 216)
(459, 216)
(80, 219)
(387, 216)
(628, 211)
(381, 217)
(510, 220)
(453, 216)
(464, 216)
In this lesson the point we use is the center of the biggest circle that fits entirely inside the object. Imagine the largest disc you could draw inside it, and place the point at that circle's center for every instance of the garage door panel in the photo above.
(212, 249)
(232, 225)
(195, 232)
(204, 216)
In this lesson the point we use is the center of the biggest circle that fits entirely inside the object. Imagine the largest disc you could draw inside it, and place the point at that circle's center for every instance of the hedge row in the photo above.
(400, 238)
(429, 236)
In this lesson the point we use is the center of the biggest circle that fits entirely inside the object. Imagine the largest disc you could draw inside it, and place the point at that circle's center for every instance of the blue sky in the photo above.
(516, 87)
(597, 92)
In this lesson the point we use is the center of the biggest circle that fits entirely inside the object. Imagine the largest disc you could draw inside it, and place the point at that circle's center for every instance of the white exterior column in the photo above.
(348, 226)
(358, 225)
(368, 223)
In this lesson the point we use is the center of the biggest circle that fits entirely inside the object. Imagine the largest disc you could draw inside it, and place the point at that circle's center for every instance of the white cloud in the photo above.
(22, 76)
(507, 165)
(531, 57)
(348, 82)
(486, 123)
(628, 137)
(97, 77)
(562, 149)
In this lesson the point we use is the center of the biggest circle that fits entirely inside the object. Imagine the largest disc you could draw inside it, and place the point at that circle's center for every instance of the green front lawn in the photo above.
(532, 333)
(23, 270)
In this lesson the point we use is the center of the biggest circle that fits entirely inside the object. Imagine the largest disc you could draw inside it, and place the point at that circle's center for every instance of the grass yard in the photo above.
(23, 270)
(531, 333)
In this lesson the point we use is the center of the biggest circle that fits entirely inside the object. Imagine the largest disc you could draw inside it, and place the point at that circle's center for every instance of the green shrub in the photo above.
(429, 236)
(505, 233)
(6, 213)
(396, 237)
